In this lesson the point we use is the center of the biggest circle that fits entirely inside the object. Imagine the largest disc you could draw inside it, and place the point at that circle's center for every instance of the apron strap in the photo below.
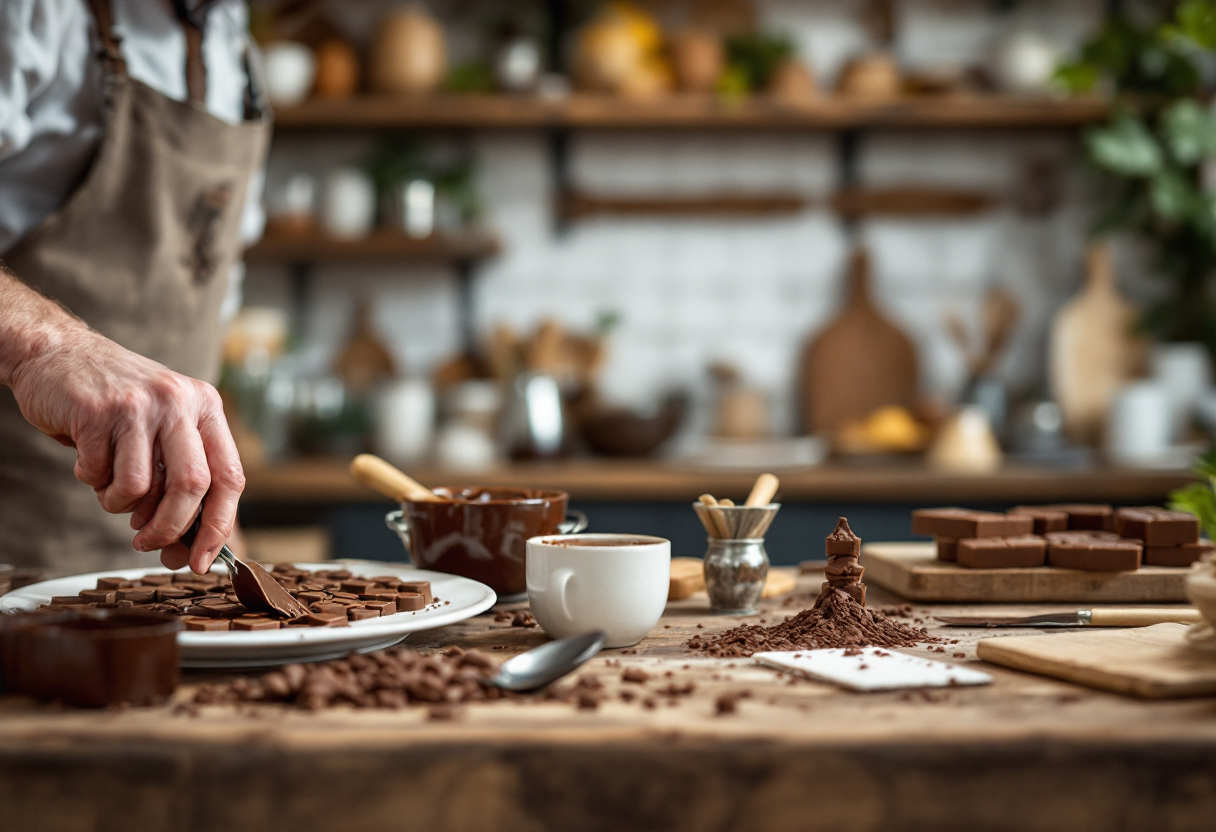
(193, 21)
(111, 47)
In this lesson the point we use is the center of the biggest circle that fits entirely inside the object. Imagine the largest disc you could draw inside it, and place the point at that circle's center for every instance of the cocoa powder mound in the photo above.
(836, 620)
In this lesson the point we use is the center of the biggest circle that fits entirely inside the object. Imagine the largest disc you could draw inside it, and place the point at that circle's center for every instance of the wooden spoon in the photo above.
(392, 482)
(763, 491)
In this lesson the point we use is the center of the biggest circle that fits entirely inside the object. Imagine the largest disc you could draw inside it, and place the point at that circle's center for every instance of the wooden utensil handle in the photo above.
(1142, 618)
(763, 491)
(715, 516)
(392, 482)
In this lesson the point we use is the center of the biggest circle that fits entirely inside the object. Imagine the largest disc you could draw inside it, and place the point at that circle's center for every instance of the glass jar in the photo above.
(734, 575)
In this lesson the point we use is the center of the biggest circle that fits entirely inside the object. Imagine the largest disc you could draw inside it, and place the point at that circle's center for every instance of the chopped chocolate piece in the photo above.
(1002, 552)
(423, 588)
(137, 595)
(327, 620)
(1046, 519)
(99, 596)
(947, 549)
(156, 580)
(360, 613)
(1183, 555)
(958, 523)
(170, 593)
(1079, 536)
(1086, 516)
(186, 577)
(68, 601)
(247, 623)
(1094, 555)
(338, 574)
(349, 596)
(358, 586)
(206, 624)
(310, 597)
(378, 596)
(328, 608)
(1157, 526)
(410, 602)
(386, 580)
(114, 583)
(842, 541)
(382, 607)
(636, 675)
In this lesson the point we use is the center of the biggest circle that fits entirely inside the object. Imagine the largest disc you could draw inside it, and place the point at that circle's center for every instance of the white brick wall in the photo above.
(751, 291)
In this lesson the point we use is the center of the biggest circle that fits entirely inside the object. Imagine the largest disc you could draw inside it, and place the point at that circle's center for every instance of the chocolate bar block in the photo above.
(156, 580)
(137, 595)
(360, 613)
(326, 620)
(99, 596)
(206, 624)
(246, 623)
(1183, 555)
(1157, 526)
(423, 588)
(1002, 552)
(1093, 554)
(958, 523)
(1087, 516)
(358, 586)
(382, 607)
(1046, 519)
(947, 549)
(114, 583)
(410, 601)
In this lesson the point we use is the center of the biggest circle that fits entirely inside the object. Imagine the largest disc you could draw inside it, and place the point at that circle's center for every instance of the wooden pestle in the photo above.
(763, 491)
(392, 482)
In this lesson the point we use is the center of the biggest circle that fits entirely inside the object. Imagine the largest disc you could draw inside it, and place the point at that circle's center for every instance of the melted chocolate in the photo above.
(258, 590)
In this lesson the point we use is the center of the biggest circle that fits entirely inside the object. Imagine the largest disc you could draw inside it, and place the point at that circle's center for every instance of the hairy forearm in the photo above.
(30, 326)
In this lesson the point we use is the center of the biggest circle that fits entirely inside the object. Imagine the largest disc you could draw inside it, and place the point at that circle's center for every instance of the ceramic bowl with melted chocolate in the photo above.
(482, 533)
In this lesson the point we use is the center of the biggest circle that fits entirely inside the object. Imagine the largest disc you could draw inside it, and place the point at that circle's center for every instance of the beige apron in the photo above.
(142, 253)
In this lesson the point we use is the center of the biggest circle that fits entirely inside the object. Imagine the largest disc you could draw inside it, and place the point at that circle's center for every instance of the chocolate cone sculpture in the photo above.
(843, 572)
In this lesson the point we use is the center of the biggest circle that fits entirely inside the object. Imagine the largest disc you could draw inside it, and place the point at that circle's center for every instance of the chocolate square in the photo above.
(206, 624)
(947, 549)
(382, 607)
(137, 595)
(360, 613)
(246, 623)
(99, 596)
(423, 588)
(1157, 526)
(1183, 555)
(958, 523)
(327, 620)
(1002, 552)
(1094, 554)
(1046, 519)
(1095, 517)
(410, 601)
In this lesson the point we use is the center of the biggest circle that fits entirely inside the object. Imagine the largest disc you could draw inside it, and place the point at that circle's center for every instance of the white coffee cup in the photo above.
(612, 582)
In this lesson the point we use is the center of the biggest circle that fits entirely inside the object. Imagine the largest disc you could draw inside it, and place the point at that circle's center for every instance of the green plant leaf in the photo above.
(1172, 197)
(1076, 78)
(1197, 22)
(1125, 146)
(1190, 131)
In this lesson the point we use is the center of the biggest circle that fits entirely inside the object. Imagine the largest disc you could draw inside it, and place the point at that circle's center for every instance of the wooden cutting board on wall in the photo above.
(1093, 350)
(856, 364)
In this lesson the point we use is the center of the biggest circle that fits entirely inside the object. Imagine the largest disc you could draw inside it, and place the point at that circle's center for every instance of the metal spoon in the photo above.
(254, 586)
(548, 663)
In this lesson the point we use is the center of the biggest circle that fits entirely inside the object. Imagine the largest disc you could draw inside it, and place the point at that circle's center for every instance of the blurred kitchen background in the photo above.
(899, 252)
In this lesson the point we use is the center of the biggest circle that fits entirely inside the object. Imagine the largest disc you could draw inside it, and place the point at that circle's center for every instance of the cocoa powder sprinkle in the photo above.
(836, 620)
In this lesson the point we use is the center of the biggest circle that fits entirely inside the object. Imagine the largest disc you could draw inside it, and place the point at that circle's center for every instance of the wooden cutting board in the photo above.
(913, 571)
(1092, 350)
(1149, 662)
(858, 363)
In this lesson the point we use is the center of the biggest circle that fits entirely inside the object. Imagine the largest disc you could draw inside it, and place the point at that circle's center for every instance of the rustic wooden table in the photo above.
(1025, 753)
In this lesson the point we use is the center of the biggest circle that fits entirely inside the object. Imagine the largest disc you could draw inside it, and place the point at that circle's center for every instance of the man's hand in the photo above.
(149, 441)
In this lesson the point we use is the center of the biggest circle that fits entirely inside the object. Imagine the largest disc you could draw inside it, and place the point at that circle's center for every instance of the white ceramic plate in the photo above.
(261, 648)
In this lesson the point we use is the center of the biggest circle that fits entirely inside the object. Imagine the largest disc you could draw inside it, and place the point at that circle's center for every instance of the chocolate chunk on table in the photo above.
(1046, 519)
(1183, 555)
(957, 523)
(1157, 526)
(1002, 552)
(947, 549)
(1095, 554)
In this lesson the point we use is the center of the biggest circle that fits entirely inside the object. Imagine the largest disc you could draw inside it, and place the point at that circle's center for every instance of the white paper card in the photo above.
(874, 668)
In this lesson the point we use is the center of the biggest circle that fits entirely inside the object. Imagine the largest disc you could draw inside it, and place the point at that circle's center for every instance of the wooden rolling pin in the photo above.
(383, 478)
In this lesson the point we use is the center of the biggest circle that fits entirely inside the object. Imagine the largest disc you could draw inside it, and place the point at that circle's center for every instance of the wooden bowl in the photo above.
(620, 431)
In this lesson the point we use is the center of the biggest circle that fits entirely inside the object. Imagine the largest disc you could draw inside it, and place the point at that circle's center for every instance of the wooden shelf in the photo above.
(322, 481)
(689, 112)
(278, 247)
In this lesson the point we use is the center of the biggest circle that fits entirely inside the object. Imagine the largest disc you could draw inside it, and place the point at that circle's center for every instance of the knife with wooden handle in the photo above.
(1112, 617)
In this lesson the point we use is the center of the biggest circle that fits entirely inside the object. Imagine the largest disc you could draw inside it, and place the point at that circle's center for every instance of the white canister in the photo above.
(291, 69)
(348, 209)
(1185, 372)
(1138, 428)
(405, 420)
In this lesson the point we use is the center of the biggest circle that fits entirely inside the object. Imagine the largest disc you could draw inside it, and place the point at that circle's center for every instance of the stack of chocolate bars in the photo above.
(1093, 538)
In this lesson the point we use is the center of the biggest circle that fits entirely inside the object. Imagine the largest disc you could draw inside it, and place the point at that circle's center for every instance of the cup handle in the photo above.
(559, 581)
(396, 521)
(574, 523)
